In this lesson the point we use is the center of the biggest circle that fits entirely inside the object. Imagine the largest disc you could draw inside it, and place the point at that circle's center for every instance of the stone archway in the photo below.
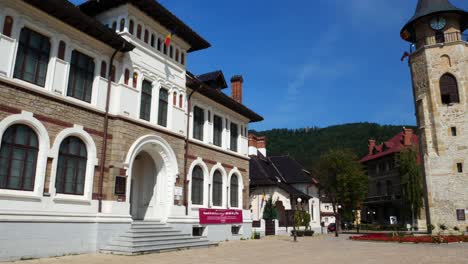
(152, 170)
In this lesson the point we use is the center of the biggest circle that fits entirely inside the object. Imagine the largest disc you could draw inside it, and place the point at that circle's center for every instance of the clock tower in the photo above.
(439, 70)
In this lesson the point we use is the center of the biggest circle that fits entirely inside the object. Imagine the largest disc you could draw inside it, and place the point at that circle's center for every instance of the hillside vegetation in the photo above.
(307, 144)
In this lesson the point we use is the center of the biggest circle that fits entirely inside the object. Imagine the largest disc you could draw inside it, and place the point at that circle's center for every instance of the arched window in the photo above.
(122, 25)
(163, 103)
(379, 188)
(112, 73)
(234, 191)
(114, 26)
(159, 44)
(127, 76)
(174, 98)
(197, 186)
(61, 50)
(181, 101)
(217, 189)
(171, 51)
(18, 157)
(130, 27)
(152, 40)
(8, 26)
(165, 49)
(177, 55)
(103, 69)
(139, 31)
(135, 80)
(71, 168)
(449, 89)
(146, 36)
(182, 58)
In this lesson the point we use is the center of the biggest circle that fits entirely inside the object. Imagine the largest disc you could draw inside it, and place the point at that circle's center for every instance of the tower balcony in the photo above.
(439, 39)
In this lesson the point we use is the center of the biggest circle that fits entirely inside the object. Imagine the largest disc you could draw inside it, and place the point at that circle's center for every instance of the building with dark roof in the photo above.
(285, 181)
(104, 131)
(385, 190)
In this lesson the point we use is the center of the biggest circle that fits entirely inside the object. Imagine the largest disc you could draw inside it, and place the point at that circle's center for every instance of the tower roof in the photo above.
(432, 7)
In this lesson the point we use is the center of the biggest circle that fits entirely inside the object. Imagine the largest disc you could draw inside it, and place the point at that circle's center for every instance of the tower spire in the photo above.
(432, 7)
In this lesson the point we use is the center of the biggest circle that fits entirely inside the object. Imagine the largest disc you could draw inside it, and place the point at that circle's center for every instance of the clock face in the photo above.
(438, 23)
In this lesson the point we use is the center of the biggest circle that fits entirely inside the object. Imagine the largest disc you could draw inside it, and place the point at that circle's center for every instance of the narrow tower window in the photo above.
(454, 131)
(449, 89)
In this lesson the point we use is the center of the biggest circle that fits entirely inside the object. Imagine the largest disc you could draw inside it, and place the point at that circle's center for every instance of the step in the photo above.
(148, 230)
(152, 234)
(139, 244)
(152, 238)
(147, 226)
(156, 249)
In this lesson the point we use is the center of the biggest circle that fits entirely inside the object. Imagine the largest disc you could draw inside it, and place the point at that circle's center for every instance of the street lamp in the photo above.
(299, 200)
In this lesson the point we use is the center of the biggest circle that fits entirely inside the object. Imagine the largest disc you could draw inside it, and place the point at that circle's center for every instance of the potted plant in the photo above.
(256, 235)
(270, 213)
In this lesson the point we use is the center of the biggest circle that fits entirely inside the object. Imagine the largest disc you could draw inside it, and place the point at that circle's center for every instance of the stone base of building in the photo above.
(28, 240)
(217, 233)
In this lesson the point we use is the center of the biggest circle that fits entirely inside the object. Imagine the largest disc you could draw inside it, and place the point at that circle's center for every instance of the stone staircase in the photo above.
(153, 237)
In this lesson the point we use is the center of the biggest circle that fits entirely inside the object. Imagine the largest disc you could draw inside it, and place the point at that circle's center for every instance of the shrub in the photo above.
(443, 227)
(270, 212)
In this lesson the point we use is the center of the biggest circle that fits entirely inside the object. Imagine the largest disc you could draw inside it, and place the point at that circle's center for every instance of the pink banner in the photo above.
(220, 216)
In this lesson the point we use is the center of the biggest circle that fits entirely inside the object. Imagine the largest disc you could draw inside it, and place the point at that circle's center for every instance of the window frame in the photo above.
(199, 179)
(234, 192)
(234, 139)
(163, 107)
(28, 148)
(198, 125)
(145, 100)
(39, 56)
(75, 70)
(217, 187)
(218, 137)
(68, 157)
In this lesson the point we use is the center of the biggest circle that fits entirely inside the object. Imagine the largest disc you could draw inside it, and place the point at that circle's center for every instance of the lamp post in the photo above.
(299, 200)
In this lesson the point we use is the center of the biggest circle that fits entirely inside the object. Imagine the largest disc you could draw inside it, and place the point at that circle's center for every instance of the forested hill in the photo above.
(307, 144)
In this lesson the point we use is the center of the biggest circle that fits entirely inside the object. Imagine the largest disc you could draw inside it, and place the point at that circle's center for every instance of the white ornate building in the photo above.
(71, 77)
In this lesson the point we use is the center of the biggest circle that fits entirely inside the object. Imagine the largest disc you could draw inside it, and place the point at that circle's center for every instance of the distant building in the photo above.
(283, 179)
(327, 216)
(384, 199)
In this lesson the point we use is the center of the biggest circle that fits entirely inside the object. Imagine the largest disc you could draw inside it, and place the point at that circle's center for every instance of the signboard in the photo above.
(461, 215)
(219, 216)
(178, 191)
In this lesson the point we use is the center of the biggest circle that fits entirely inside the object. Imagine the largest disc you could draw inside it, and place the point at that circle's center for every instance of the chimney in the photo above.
(407, 136)
(261, 145)
(257, 144)
(236, 87)
(371, 146)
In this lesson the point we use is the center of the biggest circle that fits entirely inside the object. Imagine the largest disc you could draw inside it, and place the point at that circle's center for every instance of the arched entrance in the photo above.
(152, 169)
(143, 196)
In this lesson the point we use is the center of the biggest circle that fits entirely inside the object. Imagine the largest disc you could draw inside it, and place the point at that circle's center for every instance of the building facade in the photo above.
(439, 68)
(71, 77)
(385, 191)
(284, 180)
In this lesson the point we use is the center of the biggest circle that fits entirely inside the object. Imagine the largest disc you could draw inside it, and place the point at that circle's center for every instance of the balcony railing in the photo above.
(439, 38)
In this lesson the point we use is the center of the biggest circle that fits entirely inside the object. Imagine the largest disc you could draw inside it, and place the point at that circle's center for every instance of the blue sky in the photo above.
(308, 63)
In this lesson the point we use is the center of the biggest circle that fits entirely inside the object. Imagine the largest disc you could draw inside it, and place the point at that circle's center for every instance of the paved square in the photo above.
(326, 249)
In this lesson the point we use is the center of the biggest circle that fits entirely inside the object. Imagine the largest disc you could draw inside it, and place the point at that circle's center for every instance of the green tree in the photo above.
(343, 181)
(412, 182)
(270, 212)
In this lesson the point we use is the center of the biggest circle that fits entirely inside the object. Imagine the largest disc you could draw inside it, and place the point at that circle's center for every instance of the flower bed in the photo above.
(411, 238)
